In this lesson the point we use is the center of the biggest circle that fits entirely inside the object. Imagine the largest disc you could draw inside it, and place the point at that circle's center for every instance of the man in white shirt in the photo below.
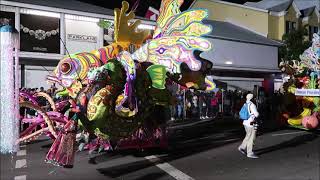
(248, 142)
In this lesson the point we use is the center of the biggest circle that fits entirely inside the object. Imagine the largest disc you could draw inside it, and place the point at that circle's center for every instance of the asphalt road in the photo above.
(284, 155)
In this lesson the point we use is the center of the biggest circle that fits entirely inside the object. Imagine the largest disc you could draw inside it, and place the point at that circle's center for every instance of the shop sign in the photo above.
(85, 38)
(307, 92)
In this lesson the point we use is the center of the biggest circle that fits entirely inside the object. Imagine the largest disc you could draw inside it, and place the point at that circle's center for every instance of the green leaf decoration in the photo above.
(158, 76)
(102, 135)
(105, 23)
(62, 93)
(316, 101)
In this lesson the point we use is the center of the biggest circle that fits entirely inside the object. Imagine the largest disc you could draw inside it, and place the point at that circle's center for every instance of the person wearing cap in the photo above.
(248, 142)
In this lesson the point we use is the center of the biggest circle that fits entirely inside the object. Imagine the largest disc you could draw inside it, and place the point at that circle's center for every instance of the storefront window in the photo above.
(7, 18)
(39, 34)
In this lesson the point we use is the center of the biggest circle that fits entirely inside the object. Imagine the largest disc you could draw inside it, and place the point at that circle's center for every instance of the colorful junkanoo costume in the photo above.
(301, 102)
(62, 151)
(118, 91)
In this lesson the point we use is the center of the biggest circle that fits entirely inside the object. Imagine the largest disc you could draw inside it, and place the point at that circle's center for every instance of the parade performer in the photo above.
(62, 151)
(116, 90)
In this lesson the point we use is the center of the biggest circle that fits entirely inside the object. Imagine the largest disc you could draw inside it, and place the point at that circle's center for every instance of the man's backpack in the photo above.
(244, 113)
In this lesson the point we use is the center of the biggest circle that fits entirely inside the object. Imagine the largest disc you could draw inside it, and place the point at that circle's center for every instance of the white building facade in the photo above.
(50, 29)
(242, 58)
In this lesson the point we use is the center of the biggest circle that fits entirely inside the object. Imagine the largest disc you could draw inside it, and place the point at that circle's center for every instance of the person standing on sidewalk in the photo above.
(250, 127)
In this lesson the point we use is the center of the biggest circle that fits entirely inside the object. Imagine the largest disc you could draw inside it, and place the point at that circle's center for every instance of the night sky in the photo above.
(144, 4)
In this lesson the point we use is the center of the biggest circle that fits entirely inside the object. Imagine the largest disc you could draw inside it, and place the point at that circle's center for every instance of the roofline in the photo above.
(66, 11)
(252, 3)
(284, 12)
(306, 18)
(237, 5)
(316, 9)
(244, 27)
(274, 13)
(244, 41)
(295, 7)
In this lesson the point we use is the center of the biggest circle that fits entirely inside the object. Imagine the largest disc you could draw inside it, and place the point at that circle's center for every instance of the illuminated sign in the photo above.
(307, 92)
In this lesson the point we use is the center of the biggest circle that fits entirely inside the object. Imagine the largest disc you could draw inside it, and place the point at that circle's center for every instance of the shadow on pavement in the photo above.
(182, 149)
(288, 144)
(194, 146)
(38, 140)
(108, 156)
(152, 176)
(123, 169)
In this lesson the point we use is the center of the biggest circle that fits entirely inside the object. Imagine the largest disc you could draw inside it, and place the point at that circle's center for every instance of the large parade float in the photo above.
(115, 95)
(301, 105)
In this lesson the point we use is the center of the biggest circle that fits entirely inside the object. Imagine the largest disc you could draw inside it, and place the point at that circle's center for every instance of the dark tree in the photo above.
(295, 43)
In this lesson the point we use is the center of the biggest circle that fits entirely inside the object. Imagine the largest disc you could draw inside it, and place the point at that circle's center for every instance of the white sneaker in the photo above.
(252, 156)
(242, 151)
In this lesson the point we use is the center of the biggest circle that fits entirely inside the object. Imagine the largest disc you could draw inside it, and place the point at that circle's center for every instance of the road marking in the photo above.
(20, 163)
(23, 177)
(189, 124)
(172, 171)
(282, 134)
(216, 141)
(22, 152)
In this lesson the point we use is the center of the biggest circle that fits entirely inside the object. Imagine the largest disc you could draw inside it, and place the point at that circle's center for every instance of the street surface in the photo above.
(287, 154)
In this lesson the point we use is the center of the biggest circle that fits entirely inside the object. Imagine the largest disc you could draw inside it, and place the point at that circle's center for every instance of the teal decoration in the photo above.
(6, 28)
